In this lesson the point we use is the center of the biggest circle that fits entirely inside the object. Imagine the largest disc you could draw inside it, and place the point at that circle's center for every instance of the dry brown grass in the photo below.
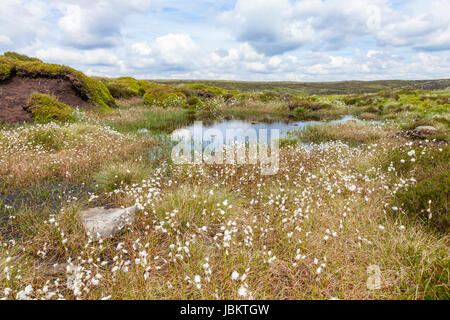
(61, 152)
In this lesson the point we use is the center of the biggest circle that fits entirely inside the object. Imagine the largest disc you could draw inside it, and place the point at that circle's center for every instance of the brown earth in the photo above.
(15, 92)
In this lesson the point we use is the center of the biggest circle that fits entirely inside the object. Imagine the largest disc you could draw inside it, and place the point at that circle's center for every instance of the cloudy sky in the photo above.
(304, 40)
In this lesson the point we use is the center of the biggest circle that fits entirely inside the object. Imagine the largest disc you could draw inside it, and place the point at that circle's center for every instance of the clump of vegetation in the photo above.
(88, 88)
(21, 57)
(164, 96)
(427, 198)
(46, 108)
(202, 90)
(5, 70)
(267, 96)
(113, 176)
(351, 132)
(51, 140)
(308, 103)
(428, 201)
(126, 87)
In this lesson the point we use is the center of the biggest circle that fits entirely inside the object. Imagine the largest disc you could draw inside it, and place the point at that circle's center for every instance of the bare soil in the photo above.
(15, 92)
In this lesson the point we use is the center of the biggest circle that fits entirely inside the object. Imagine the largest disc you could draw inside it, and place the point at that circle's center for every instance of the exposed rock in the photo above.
(423, 131)
(102, 223)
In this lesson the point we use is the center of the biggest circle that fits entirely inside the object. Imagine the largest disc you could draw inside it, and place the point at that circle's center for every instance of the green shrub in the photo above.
(88, 88)
(428, 201)
(46, 108)
(164, 96)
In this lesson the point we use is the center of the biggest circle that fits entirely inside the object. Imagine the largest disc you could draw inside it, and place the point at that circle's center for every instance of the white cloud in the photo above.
(276, 26)
(176, 49)
(4, 40)
(70, 56)
(22, 21)
(308, 40)
(96, 24)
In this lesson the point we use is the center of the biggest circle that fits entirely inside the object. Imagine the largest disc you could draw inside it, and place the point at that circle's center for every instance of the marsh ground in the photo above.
(361, 215)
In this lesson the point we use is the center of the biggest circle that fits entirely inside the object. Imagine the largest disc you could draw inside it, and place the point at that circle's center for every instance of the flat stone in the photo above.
(102, 223)
(424, 131)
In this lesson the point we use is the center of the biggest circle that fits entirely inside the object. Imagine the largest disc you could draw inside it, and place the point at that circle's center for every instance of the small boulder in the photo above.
(102, 223)
(424, 131)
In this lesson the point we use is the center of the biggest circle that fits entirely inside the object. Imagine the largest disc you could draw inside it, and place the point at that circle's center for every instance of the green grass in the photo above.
(156, 121)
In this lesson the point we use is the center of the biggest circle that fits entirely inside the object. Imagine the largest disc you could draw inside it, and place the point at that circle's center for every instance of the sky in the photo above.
(254, 40)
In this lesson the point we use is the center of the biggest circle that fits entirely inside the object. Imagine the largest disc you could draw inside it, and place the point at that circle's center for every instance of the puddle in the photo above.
(283, 127)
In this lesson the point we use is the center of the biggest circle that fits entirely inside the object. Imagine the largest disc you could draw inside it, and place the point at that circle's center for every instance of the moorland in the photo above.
(365, 203)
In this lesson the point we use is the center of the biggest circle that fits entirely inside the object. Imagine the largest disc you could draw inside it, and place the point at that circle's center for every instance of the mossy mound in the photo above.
(91, 90)
(164, 96)
(46, 108)
(20, 57)
(204, 91)
(308, 103)
(126, 87)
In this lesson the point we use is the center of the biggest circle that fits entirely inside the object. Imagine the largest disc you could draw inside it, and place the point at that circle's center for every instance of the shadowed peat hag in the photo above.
(360, 196)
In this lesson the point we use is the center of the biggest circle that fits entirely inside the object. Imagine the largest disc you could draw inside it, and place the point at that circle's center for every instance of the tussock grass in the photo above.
(351, 132)
(114, 176)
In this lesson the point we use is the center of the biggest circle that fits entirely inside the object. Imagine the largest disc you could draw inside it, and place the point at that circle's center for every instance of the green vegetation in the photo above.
(113, 176)
(164, 96)
(20, 57)
(428, 201)
(202, 90)
(126, 87)
(319, 88)
(352, 132)
(88, 88)
(46, 108)
(355, 195)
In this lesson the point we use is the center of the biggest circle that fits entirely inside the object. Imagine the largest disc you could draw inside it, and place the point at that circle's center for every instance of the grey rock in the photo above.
(424, 131)
(102, 223)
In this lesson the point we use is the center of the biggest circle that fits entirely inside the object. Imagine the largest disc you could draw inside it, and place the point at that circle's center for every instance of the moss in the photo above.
(5, 71)
(216, 91)
(126, 87)
(164, 96)
(20, 57)
(88, 88)
(46, 108)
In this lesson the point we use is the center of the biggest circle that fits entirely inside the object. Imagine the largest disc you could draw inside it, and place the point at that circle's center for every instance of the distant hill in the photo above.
(320, 88)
